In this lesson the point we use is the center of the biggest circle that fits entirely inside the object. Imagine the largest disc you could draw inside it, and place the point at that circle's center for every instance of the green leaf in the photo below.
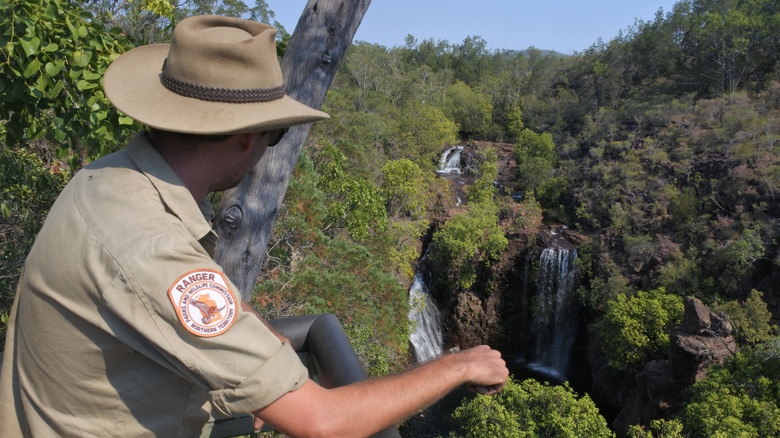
(81, 58)
(53, 47)
(30, 46)
(85, 85)
(60, 135)
(32, 68)
(75, 72)
(5, 209)
(51, 69)
(91, 76)
(43, 83)
(55, 91)
(62, 152)
(124, 120)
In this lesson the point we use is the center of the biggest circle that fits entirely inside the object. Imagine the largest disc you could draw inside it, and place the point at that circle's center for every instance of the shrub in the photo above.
(532, 409)
(740, 398)
(636, 329)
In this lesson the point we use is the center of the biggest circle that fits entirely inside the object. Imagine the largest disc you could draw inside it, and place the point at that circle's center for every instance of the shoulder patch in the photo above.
(204, 302)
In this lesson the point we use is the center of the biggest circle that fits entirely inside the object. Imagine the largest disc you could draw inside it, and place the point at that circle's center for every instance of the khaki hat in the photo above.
(219, 75)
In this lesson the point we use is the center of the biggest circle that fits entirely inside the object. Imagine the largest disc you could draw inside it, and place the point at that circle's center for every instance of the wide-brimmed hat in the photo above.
(219, 75)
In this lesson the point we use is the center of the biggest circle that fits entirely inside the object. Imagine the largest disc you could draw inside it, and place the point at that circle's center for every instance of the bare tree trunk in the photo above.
(246, 214)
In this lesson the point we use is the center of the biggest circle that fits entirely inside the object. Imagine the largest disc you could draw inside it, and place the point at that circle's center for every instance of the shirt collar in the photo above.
(172, 190)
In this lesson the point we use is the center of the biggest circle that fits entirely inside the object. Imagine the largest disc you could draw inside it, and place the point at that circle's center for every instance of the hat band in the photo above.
(217, 94)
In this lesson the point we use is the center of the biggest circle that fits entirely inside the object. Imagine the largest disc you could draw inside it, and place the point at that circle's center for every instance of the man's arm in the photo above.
(364, 408)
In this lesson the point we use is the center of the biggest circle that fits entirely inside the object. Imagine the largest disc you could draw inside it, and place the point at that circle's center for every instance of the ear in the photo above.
(246, 141)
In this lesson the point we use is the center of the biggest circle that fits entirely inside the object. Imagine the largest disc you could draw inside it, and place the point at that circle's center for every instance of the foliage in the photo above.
(27, 189)
(602, 280)
(536, 161)
(405, 188)
(658, 429)
(344, 278)
(299, 224)
(750, 318)
(735, 260)
(355, 202)
(532, 409)
(465, 241)
(151, 21)
(683, 274)
(636, 329)
(422, 132)
(529, 214)
(483, 190)
(471, 110)
(740, 398)
(53, 59)
(399, 245)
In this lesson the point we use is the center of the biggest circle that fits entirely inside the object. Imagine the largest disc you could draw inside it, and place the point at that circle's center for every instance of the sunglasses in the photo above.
(276, 136)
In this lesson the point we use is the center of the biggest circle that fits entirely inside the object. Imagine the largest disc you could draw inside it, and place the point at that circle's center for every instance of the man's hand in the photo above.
(486, 371)
(258, 423)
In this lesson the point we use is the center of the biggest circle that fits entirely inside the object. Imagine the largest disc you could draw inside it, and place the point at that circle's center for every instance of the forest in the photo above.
(654, 149)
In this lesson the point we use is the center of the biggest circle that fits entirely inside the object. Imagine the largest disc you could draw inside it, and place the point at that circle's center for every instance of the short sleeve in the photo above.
(244, 367)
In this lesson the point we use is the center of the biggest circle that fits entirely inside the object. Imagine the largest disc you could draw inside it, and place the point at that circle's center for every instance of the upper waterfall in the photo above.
(450, 161)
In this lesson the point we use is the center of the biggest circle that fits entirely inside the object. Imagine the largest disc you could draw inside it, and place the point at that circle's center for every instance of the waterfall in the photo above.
(450, 160)
(425, 335)
(555, 311)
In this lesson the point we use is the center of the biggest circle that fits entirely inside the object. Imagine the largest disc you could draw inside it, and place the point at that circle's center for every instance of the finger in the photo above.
(258, 423)
(485, 390)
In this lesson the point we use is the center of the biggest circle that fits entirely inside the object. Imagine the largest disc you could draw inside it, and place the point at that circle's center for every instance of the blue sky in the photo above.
(566, 26)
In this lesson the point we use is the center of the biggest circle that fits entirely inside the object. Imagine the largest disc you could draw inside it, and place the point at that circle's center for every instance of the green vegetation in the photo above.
(659, 145)
(464, 242)
(471, 239)
(741, 398)
(54, 57)
(636, 329)
(658, 429)
(532, 409)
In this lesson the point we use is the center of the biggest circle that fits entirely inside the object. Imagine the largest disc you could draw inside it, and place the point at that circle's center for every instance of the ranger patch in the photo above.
(204, 302)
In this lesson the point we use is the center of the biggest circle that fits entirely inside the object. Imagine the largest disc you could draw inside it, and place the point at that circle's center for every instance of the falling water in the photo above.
(555, 311)
(425, 334)
(450, 161)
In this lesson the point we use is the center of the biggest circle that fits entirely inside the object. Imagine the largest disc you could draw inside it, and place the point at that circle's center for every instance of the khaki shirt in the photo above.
(113, 333)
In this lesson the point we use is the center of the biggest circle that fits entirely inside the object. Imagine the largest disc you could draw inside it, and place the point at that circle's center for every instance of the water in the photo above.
(450, 161)
(425, 336)
(556, 311)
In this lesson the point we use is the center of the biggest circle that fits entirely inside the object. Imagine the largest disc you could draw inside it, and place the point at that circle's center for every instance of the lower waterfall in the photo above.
(555, 311)
(425, 333)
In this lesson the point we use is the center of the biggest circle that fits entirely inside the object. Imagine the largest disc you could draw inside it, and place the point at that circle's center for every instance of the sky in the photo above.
(566, 26)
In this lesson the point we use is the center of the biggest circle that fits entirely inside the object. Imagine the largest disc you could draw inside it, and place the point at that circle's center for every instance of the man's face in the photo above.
(244, 163)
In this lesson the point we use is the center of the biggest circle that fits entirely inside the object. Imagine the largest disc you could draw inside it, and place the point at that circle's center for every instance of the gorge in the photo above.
(527, 305)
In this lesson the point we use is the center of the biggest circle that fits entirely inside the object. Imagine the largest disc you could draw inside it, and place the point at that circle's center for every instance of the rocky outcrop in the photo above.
(474, 320)
(702, 339)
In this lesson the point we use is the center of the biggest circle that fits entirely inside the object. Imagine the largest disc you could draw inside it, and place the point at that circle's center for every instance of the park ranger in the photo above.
(123, 324)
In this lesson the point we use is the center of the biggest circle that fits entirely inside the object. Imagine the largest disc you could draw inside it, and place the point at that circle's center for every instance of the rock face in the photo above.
(475, 320)
(702, 339)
